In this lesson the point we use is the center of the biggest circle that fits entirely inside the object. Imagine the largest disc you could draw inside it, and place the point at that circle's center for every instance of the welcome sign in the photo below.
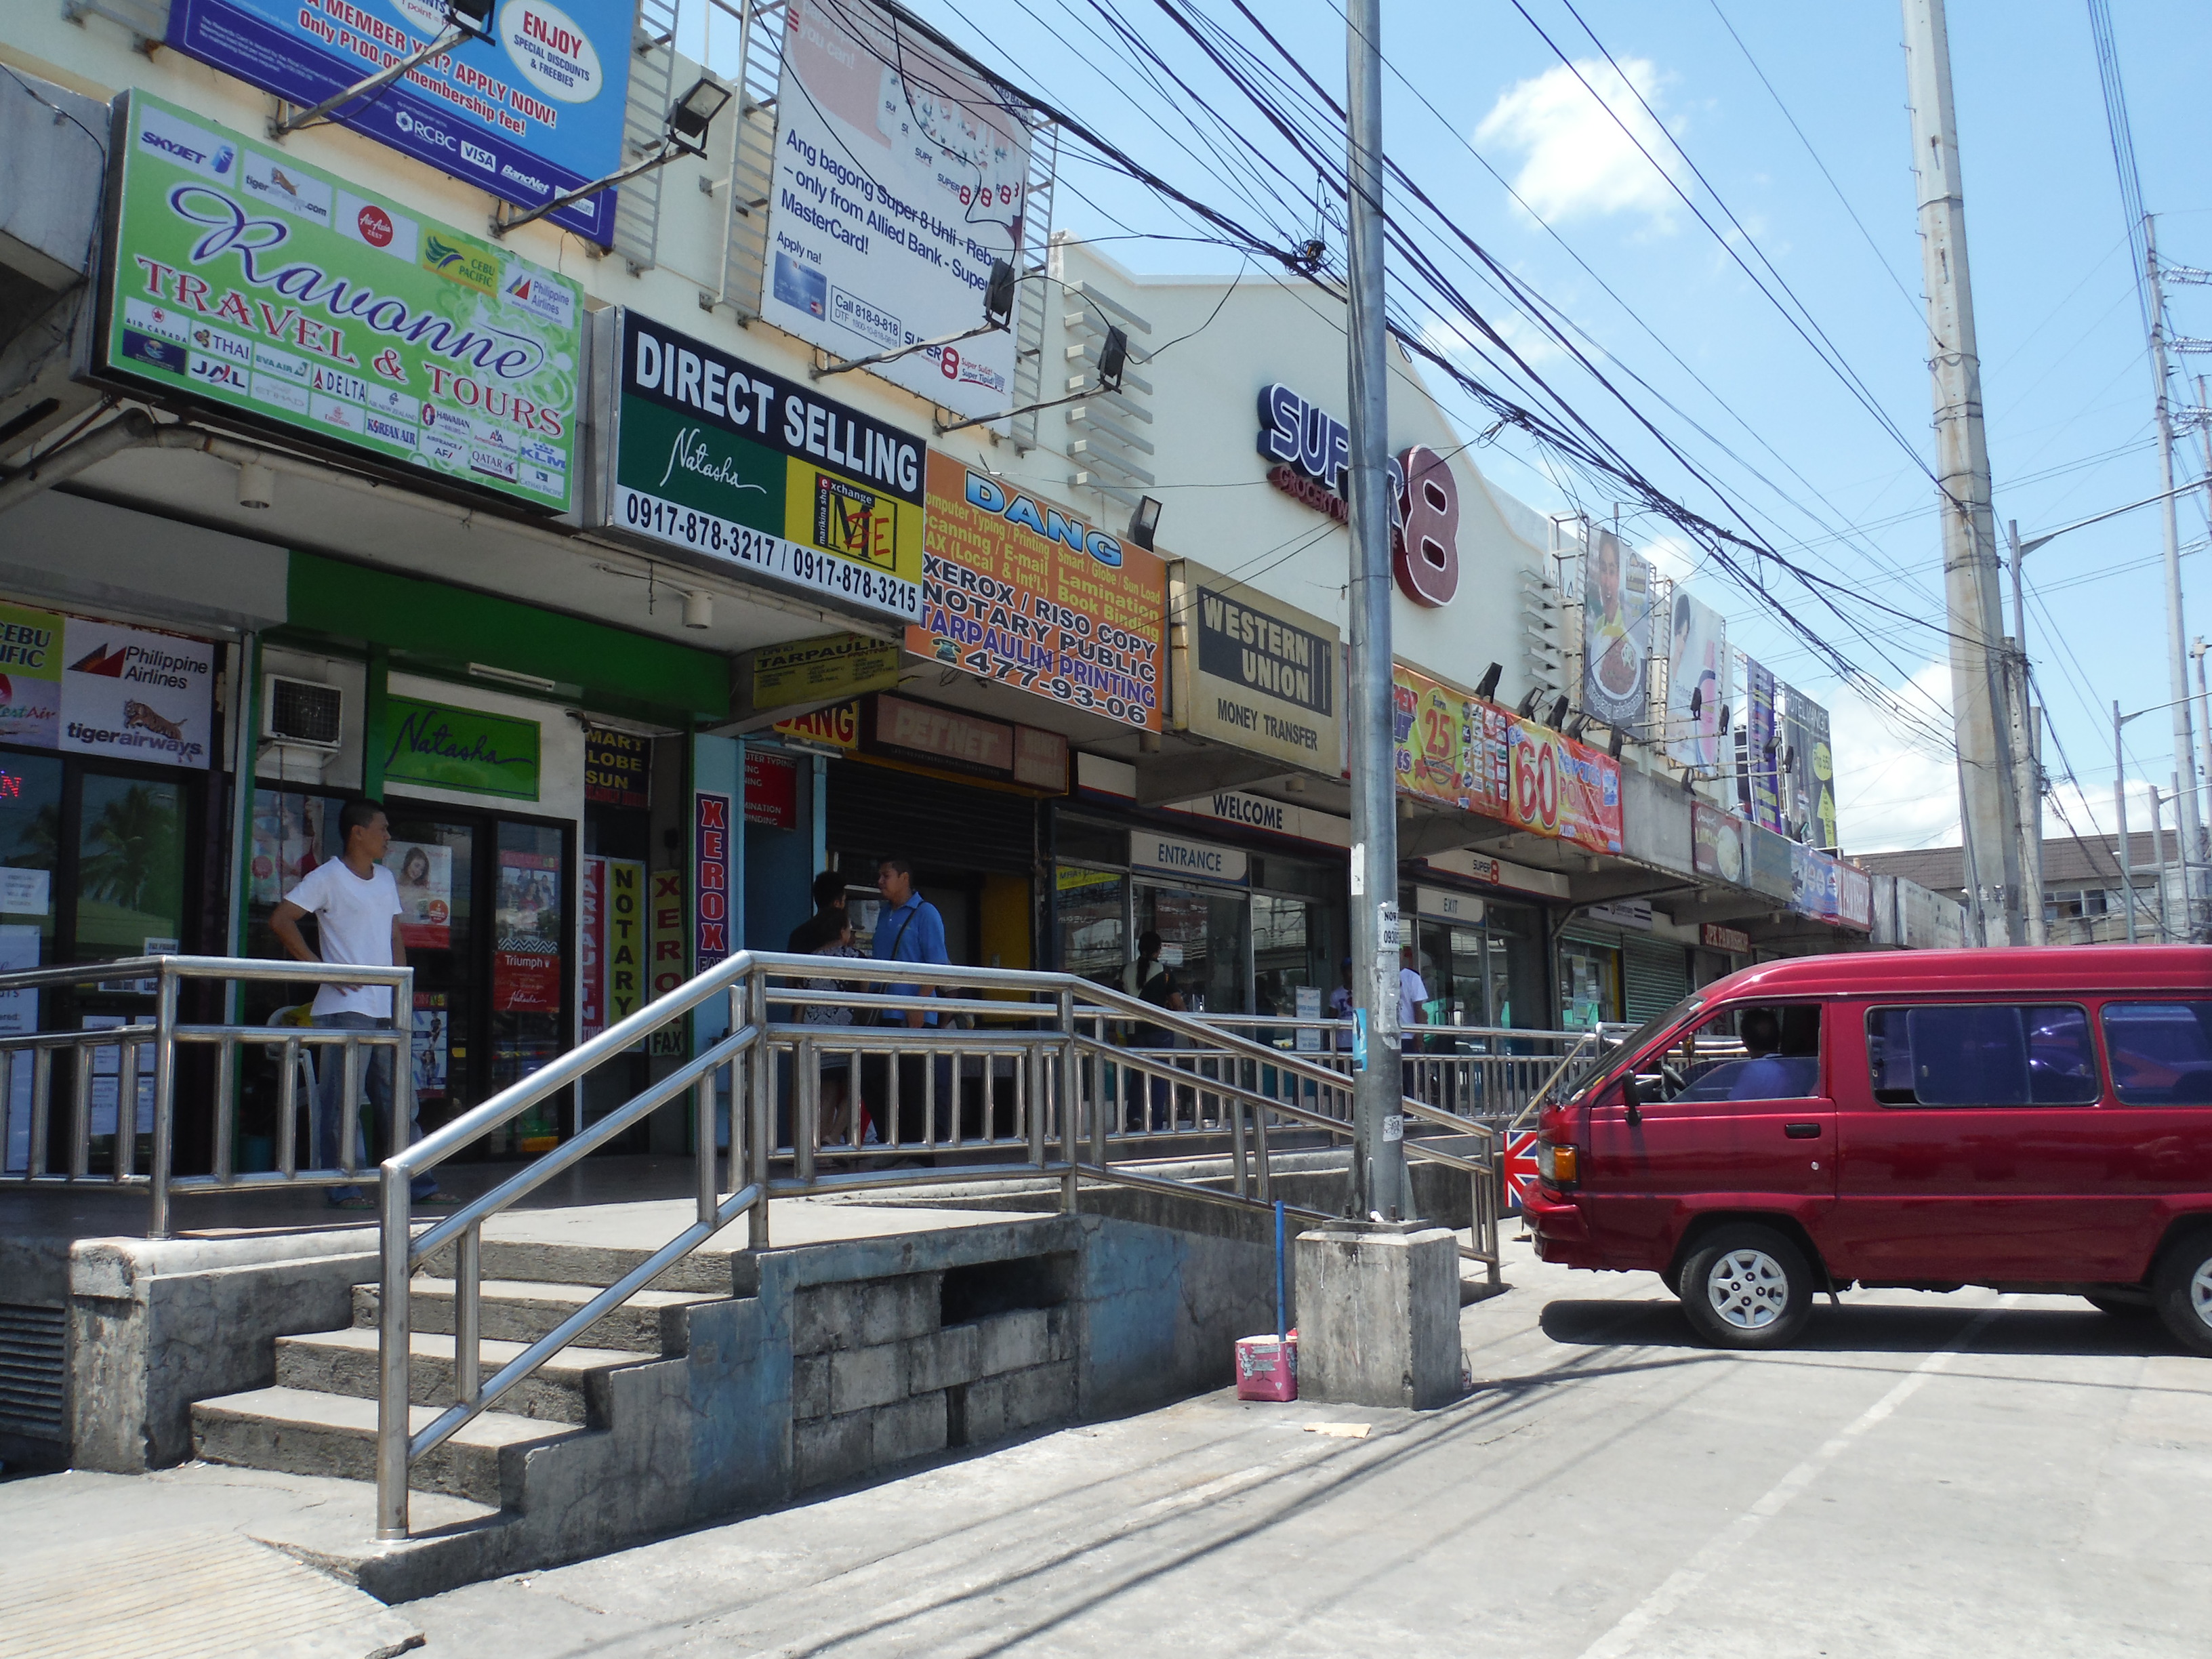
(241, 276)
(714, 454)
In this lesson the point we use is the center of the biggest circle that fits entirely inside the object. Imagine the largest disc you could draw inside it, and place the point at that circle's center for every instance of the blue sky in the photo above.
(2065, 377)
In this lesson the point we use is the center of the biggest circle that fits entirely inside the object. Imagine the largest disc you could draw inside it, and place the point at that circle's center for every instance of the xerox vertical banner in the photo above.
(529, 114)
(240, 277)
(707, 452)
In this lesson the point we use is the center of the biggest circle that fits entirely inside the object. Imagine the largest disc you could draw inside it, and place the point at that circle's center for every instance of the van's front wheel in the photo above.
(1749, 1287)
(2183, 1292)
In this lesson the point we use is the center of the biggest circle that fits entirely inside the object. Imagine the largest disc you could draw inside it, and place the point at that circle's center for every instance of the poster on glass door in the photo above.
(424, 873)
(526, 966)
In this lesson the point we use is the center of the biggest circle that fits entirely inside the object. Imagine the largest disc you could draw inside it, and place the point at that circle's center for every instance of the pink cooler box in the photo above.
(1267, 1369)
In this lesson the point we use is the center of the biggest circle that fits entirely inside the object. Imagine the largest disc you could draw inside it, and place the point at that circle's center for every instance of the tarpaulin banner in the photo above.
(1018, 590)
(1450, 747)
(1563, 788)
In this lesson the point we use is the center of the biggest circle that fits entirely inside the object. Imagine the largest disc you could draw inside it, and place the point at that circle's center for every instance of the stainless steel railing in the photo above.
(63, 1079)
(1037, 1087)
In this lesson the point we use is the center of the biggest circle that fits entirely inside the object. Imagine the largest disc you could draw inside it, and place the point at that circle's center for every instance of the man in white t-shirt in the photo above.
(1413, 990)
(356, 905)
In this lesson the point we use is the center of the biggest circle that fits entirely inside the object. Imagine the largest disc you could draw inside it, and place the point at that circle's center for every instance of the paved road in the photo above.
(1961, 1474)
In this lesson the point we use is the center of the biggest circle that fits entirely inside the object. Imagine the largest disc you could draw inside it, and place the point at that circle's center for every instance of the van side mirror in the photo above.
(1631, 1097)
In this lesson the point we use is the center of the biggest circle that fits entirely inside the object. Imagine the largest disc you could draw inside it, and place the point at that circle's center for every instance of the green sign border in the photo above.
(426, 748)
(221, 289)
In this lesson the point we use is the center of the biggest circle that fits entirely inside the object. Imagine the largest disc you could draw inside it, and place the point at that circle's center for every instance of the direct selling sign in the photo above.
(529, 114)
(715, 454)
(1026, 593)
(901, 174)
(243, 277)
(1260, 675)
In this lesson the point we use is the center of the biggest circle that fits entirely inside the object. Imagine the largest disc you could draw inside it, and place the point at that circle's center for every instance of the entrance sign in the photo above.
(1027, 594)
(1152, 852)
(242, 277)
(465, 749)
(712, 454)
(902, 172)
(1257, 674)
(529, 114)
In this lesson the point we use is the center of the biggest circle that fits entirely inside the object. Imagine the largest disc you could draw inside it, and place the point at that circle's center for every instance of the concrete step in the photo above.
(345, 1362)
(522, 1310)
(707, 1273)
(299, 1431)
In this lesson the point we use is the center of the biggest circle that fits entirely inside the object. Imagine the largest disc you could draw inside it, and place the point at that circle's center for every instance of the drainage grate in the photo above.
(33, 1370)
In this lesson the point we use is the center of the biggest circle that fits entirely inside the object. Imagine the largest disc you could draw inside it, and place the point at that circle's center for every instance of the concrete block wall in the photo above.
(878, 1377)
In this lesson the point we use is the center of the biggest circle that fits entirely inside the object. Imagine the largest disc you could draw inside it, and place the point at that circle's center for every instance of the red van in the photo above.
(2035, 1120)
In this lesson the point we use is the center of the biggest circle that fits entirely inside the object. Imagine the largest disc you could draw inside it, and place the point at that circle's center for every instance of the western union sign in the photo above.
(1257, 673)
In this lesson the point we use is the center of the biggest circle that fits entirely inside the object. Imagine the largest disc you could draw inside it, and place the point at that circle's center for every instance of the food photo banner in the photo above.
(900, 174)
(1025, 593)
(239, 275)
(713, 453)
(529, 114)
(1449, 746)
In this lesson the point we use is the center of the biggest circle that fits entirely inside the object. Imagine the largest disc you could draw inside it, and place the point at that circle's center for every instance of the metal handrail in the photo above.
(163, 1036)
(1064, 1052)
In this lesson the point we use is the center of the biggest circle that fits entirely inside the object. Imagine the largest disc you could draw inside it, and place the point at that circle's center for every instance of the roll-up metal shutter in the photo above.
(1655, 976)
(33, 1371)
(877, 810)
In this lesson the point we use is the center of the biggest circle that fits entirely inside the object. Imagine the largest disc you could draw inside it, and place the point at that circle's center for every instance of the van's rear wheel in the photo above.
(2182, 1292)
(1747, 1286)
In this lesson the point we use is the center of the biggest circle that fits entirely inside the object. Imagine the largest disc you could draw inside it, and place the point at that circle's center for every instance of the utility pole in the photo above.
(2027, 770)
(2185, 821)
(2120, 811)
(1378, 1159)
(1991, 827)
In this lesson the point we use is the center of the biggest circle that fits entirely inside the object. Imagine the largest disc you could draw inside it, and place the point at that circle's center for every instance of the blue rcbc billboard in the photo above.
(532, 112)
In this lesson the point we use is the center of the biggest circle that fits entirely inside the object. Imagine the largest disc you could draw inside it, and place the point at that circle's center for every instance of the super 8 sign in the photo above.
(1519, 1166)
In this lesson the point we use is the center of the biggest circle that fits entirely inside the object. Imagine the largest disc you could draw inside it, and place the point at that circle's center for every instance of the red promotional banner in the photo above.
(711, 855)
(1451, 746)
(1563, 788)
(526, 958)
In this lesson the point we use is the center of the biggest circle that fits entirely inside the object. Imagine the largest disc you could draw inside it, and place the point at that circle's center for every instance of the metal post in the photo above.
(2120, 808)
(392, 1359)
(2027, 772)
(468, 1317)
(1990, 825)
(1071, 1097)
(2158, 857)
(2200, 651)
(2185, 822)
(758, 1104)
(400, 1132)
(165, 1102)
(1377, 1152)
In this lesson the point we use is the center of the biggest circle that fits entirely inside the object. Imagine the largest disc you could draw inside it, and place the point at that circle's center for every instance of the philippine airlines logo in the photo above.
(375, 225)
(103, 660)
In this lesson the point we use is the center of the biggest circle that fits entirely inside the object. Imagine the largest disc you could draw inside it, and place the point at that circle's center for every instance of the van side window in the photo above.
(2162, 1052)
(1742, 1052)
(1953, 1054)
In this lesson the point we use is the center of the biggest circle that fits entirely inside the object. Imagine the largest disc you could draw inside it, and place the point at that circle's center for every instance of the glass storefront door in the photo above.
(1288, 951)
(1202, 938)
(1589, 985)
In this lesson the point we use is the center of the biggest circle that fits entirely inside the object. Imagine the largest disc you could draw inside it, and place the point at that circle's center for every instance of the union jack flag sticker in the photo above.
(1519, 1166)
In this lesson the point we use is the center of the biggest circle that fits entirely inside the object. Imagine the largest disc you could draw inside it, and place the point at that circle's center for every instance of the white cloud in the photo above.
(1465, 345)
(1894, 790)
(1575, 159)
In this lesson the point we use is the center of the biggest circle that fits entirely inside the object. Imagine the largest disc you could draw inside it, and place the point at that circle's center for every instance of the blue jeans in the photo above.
(371, 1129)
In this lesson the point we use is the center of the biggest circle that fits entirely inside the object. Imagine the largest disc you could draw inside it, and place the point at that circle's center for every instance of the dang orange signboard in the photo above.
(1019, 591)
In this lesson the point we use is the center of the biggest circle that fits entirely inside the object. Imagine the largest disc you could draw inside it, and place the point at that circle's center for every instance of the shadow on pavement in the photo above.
(1871, 1329)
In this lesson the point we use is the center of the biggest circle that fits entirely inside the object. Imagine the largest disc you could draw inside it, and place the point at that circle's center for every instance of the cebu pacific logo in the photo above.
(458, 262)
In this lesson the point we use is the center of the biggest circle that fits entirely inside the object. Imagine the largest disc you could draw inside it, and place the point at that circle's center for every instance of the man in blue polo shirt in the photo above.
(909, 929)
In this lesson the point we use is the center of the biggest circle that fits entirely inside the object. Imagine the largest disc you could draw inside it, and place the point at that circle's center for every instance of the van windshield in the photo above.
(1609, 1064)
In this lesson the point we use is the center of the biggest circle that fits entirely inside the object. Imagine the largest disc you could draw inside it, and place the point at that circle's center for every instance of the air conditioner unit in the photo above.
(301, 714)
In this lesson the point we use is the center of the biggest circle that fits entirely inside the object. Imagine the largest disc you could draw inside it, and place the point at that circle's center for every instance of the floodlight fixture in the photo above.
(1559, 713)
(1486, 687)
(683, 134)
(1144, 522)
(1619, 736)
(1526, 709)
